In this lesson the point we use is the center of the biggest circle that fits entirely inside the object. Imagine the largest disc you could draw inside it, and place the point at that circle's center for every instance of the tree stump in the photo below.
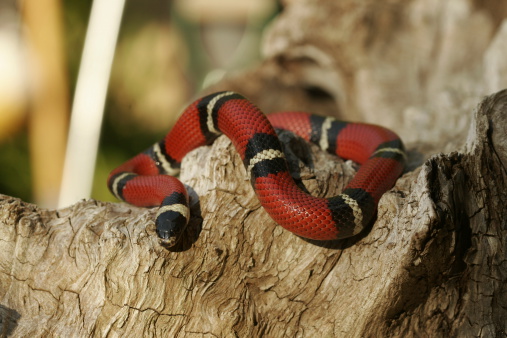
(433, 263)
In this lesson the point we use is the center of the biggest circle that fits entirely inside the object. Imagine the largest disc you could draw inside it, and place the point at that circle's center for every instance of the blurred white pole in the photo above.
(89, 99)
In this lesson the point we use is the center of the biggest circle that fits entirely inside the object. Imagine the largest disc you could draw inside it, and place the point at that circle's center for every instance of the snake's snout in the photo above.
(165, 235)
(167, 238)
(170, 225)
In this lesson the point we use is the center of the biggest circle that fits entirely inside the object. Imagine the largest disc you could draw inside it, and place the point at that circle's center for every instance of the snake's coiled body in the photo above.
(144, 179)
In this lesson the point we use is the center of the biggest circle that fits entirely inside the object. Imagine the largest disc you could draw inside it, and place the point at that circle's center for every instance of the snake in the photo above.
(148, 179)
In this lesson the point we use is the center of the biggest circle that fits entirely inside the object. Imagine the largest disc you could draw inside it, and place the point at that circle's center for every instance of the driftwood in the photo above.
(433, 264)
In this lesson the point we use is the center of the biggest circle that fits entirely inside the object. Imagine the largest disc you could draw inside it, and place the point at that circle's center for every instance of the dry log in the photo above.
(433, 264)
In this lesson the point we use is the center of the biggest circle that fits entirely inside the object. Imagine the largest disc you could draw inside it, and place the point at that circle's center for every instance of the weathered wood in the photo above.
(433, 264)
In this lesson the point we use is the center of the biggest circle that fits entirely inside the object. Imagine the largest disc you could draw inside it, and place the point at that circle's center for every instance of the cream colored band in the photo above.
(265, 155)
(211, 105)
(117, 181)
(358, 213)
(326, 125)
(165, 164)
(179, 208)
(390, 150)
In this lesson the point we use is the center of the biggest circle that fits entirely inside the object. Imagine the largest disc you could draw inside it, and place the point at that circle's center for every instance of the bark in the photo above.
(433, 263)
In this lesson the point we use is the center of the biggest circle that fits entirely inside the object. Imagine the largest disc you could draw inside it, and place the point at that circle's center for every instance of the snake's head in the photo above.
(170, 225)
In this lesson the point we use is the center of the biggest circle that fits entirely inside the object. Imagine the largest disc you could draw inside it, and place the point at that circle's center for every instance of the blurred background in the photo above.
(160, 57)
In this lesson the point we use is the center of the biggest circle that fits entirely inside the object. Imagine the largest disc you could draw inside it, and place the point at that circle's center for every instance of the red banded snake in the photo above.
(145, 179)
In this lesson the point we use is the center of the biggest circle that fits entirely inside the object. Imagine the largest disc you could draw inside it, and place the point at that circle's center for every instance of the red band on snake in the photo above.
(144, 180)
